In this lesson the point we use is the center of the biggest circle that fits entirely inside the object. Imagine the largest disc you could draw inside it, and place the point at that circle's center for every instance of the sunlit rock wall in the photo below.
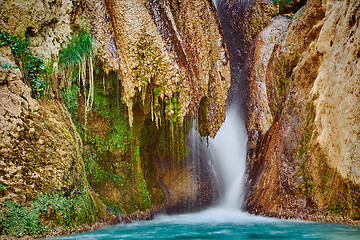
(157, 65)
(185, 55)
(40, 148)
(303, 120)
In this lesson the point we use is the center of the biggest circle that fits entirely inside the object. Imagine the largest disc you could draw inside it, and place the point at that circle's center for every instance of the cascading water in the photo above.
(225, 158)
(230, 144)
(229, 150)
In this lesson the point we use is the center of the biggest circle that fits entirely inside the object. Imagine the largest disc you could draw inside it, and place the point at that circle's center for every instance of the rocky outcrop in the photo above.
(172, 64)
(41, 150)
(242, 21)
(337, 88)
(157, 65)
(165, 50)
(48, 22)
(303, 127)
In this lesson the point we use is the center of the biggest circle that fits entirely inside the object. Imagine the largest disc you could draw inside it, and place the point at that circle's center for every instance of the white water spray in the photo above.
(229, 149)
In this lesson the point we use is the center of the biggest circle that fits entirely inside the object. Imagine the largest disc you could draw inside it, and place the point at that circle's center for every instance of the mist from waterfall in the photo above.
(229, 151)
(229, 147)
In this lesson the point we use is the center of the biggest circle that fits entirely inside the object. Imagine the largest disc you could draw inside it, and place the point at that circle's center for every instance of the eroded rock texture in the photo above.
(242, 21)
(157, 65)
(165, 50)
(303, 120)
(40, 149)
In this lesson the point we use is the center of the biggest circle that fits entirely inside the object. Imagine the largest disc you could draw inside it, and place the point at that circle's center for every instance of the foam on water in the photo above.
(215, 215)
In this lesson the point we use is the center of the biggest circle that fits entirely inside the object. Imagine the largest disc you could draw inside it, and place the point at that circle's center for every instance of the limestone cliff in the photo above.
(303, 123)
(172, 64)
(97, 100)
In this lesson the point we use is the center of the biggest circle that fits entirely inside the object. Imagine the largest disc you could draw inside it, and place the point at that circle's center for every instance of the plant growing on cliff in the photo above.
(281, 3)
(17, 220)
(32, 66)
(47, 211)
(149, 74)
(71, 99)
(76, 59)
(6, 39)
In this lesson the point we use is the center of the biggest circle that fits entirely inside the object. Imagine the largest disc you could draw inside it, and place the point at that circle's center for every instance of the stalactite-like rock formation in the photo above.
(186, 55)
(157, 65)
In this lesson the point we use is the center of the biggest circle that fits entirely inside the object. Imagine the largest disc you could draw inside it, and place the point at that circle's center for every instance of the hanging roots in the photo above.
(77, 56)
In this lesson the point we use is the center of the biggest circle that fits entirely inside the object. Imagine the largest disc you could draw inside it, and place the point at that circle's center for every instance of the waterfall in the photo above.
(229, 151)
(229, 147)
(218, 165)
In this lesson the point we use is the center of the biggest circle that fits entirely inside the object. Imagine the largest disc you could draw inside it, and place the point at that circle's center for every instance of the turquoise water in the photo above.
(221, 224)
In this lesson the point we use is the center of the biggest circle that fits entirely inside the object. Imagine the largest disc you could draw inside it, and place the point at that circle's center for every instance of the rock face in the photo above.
(157, 65)
(185, 57)
(41, 150)
(338, 88)
(242, 21)
(172, 63)
(303, 120)
(48, 22)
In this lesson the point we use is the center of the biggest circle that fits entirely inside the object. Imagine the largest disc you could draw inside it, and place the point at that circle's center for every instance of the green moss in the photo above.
(97, 171)
(306, 187)
(339, 207)
(166, 143)
(32, 66)
(303, 144)
(109, 105)
(70, 99)
(284, 5)
(143, 192)
(47, 212)
(285, 77)
(107, 156)
(112, 205)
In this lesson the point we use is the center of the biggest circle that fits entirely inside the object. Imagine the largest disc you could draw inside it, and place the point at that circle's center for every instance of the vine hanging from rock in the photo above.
(76, 60)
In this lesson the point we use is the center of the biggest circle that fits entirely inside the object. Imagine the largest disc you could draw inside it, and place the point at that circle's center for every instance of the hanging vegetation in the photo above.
(76, 59)
(32, 67)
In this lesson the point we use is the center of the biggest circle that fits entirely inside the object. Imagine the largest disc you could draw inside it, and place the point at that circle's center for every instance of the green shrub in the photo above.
(33, 67)
(17, 220)
(77, 49)
(47, 211)
(5, 38)
(35, 72)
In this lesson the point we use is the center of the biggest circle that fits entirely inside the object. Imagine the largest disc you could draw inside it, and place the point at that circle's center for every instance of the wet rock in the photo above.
(309, 148)
(190, 65)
